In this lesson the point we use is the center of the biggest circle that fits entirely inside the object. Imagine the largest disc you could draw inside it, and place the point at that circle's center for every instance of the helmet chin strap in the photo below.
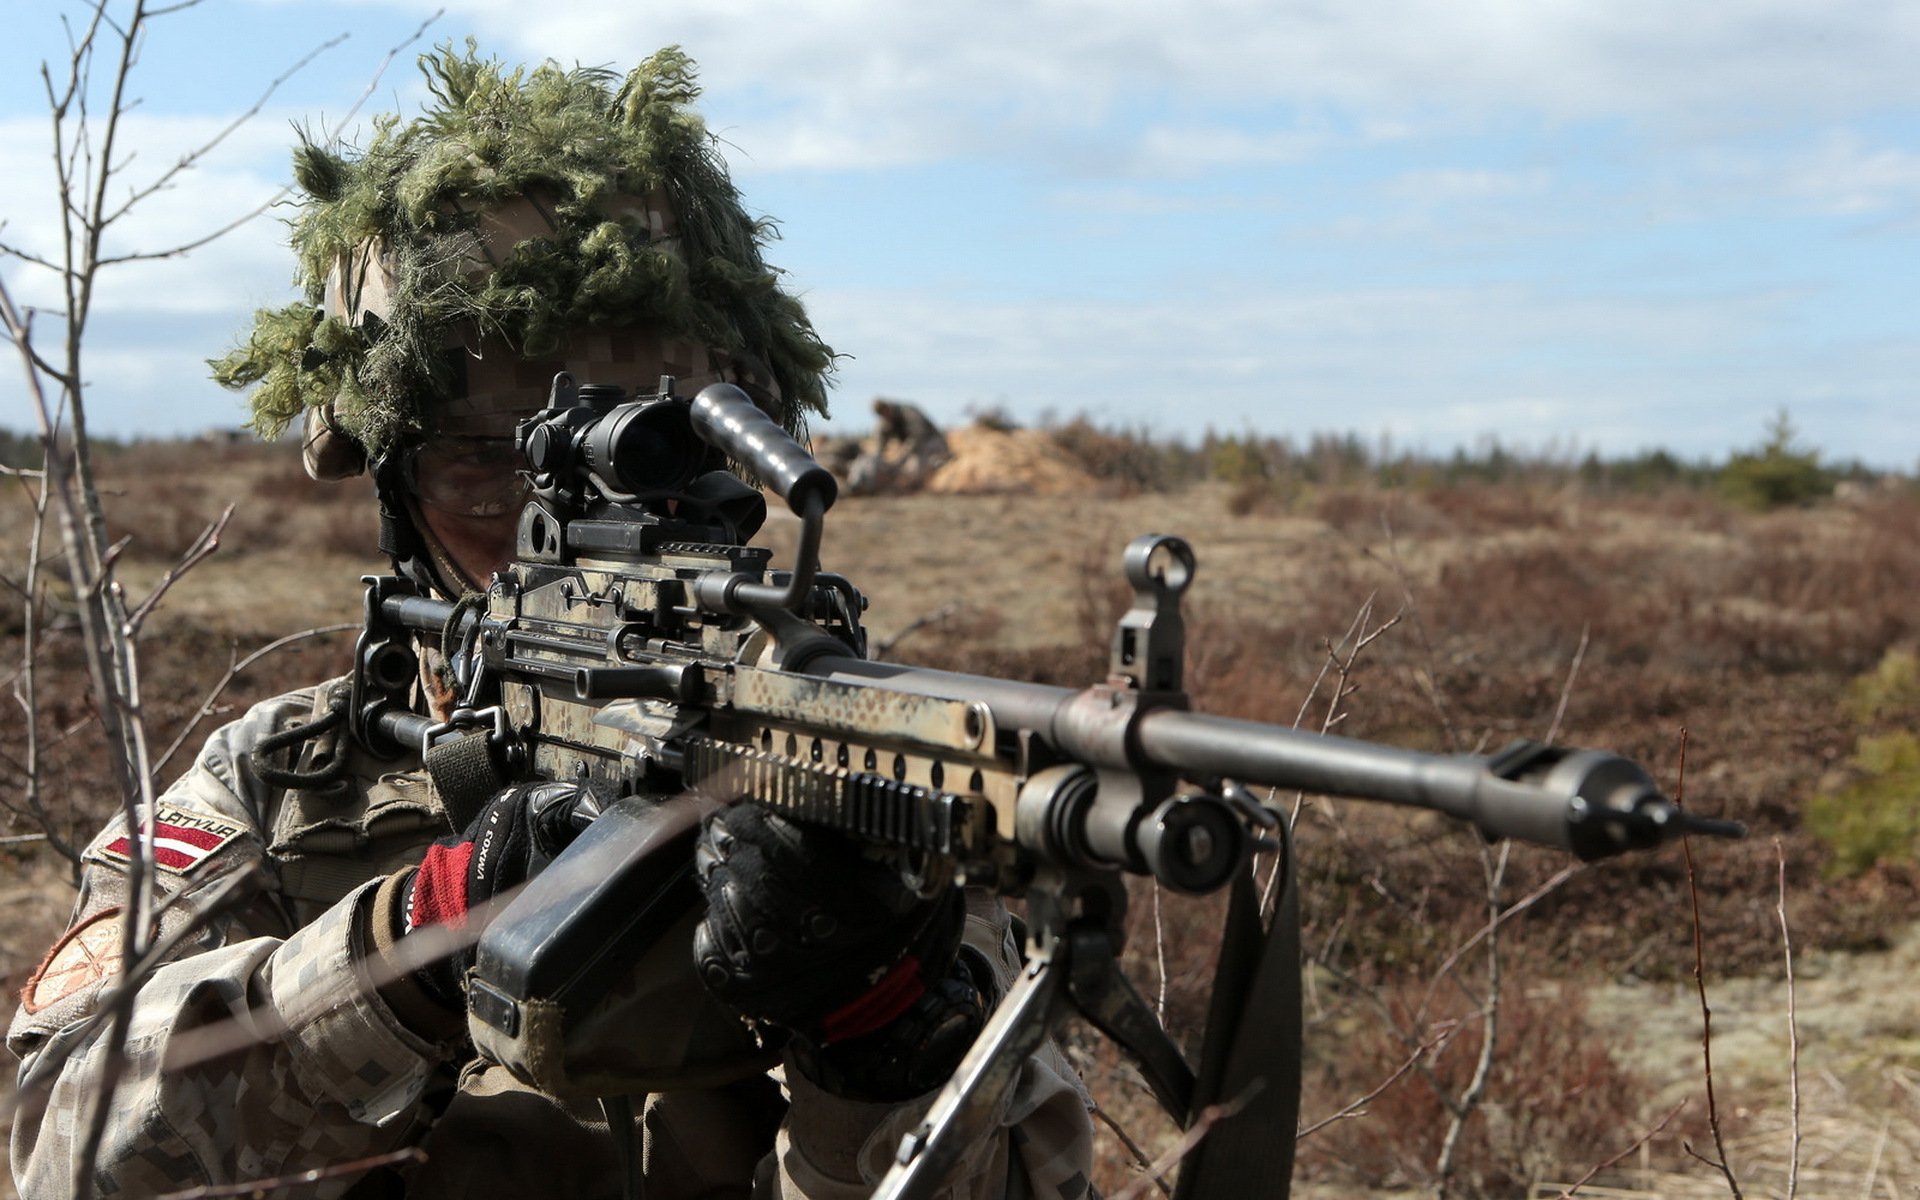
(408, 543)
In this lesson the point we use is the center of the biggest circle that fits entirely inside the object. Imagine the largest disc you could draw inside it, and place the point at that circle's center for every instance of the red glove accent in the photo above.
(876, 1008)
(439, 893)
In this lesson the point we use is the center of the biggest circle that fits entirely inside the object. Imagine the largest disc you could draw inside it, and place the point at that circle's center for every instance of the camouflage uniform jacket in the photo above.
(260, 1050)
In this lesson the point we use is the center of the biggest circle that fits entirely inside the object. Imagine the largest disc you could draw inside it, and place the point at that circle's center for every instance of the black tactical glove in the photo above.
(508, 842)
(806, 932)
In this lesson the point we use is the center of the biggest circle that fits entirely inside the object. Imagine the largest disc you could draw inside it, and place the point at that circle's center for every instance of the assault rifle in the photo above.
(639, 646)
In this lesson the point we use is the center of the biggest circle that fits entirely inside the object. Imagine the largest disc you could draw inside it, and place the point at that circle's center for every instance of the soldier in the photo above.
(305, 1017)
(907, 449)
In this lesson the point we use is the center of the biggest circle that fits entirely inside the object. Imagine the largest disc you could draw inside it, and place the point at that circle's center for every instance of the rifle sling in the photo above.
(1251, 1055)
(465, 774)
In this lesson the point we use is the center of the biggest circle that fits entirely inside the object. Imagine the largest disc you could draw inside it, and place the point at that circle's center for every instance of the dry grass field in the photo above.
(1621, 621)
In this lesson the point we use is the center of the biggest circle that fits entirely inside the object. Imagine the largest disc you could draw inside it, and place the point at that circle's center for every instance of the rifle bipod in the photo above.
(1247, 1089)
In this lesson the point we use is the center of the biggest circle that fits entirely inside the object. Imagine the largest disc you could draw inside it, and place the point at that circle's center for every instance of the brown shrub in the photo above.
(1127, 461)
(1553, 1098)
(1482, 508)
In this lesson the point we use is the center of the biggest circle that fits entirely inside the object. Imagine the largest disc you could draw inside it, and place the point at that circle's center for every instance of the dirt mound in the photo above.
(1007, 460)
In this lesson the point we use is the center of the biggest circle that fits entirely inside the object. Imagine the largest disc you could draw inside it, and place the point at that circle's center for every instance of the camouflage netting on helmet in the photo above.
(583, 144)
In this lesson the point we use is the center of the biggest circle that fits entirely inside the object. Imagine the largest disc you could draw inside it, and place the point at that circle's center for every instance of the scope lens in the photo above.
(646, 445)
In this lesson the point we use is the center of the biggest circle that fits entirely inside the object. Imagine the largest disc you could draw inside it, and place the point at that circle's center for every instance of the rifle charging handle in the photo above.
(725, 417)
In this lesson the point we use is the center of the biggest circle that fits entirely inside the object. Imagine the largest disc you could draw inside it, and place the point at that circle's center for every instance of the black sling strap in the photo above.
(1250, 1058)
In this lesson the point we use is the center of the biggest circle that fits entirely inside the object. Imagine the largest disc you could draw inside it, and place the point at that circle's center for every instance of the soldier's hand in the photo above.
(456, 886)
(807, 932)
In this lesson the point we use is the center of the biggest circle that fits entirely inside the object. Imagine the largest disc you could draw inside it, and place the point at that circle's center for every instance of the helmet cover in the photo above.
(527, 222)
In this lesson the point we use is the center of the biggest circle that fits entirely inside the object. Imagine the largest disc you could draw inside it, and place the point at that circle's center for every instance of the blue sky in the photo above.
(1568, 224)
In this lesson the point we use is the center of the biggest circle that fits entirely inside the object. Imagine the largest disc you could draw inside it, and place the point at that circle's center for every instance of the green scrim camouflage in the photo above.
(261, 1049)
(635, 226)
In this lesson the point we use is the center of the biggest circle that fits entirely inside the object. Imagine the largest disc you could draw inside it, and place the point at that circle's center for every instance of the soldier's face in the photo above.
(479, 546)
(471, 491)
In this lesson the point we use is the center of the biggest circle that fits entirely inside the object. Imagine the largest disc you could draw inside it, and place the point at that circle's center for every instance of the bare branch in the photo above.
(1566, 689)
(1873, 1167)
(1512, 910)
(233, 671)
(944, 612)
(1134, 1148)
(1210, 1116)
(1357, 638)
(1476, 1089)
(1431, 684)
(1793, 1032)
(223, 894)
(1700, 983)
(203, 546)
(260, 1187)
(1638, 1142)
(192, 157)
(9, 250)
(1357, 1108)
(379, 71)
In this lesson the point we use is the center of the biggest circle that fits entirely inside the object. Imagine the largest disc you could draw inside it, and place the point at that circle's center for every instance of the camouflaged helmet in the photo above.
(526, 222)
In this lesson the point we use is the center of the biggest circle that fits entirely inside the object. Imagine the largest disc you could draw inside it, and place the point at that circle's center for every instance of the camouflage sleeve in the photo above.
(254, 1052)
(836, 1149)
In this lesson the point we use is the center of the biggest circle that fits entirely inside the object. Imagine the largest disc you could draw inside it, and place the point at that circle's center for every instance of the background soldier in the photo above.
(529, 222)
(907, 448)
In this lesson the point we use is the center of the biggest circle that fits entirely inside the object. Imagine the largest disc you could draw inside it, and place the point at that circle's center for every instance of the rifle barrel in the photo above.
(1202, 746)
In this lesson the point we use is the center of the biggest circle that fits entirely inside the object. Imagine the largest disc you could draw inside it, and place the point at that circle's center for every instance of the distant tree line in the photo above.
(1778, 472)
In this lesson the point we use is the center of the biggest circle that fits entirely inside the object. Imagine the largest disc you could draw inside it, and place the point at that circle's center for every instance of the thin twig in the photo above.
(1210, 1116)
(260, 1187)
(186, 1049)
(1412, 609)
(920, 622)
(1357, 638)
(380, 71)
(203, 546)
(233, 672)
(1638, 1142)
(1700, 984)
(1873, 1167)
(1566, 689)
(1356, 1108)
(1476, 1089)
(1793, 1029)
(30, 631)
(1511, 911)
(1159, 952)
(1134, 1148)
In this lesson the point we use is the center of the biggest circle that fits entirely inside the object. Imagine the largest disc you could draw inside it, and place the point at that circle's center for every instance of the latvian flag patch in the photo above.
(182, 840)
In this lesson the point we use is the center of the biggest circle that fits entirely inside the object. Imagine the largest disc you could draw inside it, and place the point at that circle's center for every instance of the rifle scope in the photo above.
(626, 447)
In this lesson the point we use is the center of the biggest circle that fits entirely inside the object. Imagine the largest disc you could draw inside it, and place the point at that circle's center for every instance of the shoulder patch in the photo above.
(182, 840)
(89, 953)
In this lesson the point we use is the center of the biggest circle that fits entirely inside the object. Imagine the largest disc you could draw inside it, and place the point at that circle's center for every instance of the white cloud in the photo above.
(1455, 183)
(1844, 175)
(864, 81)
(244, 173)
(1434, 367)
